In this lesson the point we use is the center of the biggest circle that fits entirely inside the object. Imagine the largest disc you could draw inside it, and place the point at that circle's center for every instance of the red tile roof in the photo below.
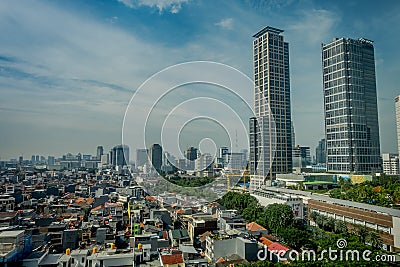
(172, 259)
(277, 247)
(266, 241)
(253, 226)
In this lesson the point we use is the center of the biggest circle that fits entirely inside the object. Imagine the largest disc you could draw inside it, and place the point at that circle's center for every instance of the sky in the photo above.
(68, 69)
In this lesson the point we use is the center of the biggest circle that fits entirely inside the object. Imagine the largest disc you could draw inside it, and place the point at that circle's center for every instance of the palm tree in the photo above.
(329, 224)
(374, 239)
(362, 232)
(340, 227)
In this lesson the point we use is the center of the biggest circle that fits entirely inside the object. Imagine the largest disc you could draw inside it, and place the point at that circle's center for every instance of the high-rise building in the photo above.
(397, 103)
(99, 152)
(50, 160)
(301, 156)
(142, 156)
(320, 155)
(120, 155)
(390, 163)
(351, 111)
(191, 156)
(272, 108)
(156, 155)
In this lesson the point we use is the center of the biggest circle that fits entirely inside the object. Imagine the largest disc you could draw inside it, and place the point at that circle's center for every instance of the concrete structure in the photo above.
(267, 197)
(350, 105)
(385, 221)
(390, 163)
(220, 246)
(271, 103)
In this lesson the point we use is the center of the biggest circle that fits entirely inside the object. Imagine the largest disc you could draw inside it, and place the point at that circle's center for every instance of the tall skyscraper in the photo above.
(156, 155)
(100, 152)
(271, 104)
(397, 103)
(350, 101)
(120, 155)
(191, 156)
(142, 156)
(320, 155)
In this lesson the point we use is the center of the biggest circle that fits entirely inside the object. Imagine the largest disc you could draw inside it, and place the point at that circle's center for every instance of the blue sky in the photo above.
(69, 68)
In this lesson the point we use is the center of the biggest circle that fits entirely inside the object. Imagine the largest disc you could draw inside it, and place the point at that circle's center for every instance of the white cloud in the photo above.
(173, 6)
(225, 23)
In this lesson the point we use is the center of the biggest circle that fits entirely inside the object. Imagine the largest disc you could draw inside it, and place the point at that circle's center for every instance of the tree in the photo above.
(340, 227)
(374, 239)
(278, 216)
(362, 233)
(329, 224)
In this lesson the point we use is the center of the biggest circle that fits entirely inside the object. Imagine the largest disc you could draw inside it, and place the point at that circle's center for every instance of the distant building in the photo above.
(156, 156)
(301, 156)
(120, 155)
(142, 157)
(191, 156)
(390, 164)
(100, 152)
(350, 104)
(320, 155)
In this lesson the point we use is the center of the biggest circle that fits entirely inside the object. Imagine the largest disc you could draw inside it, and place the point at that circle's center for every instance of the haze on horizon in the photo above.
(68, 69)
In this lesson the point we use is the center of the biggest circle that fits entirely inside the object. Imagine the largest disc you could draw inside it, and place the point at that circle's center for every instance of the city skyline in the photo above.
(59, 88)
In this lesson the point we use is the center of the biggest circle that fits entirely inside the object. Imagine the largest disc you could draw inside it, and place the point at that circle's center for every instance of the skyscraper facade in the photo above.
(100, 152)
(397, 104)
(156, 155)
(320, 155)
(120, 155)
(271, 147)
(350, 105)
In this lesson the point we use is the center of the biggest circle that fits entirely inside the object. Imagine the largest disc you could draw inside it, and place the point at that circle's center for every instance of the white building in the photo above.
(390, 163)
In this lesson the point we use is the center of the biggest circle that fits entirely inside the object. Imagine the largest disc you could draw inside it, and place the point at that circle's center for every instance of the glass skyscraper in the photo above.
(270, 130)
(350, 103)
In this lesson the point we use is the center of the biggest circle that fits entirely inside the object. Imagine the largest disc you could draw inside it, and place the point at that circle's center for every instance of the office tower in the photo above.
(271, 104)
(390, 163)
(301, 156)
(50, 160)
(397, 103)
(320, 155)
(120, 155)
(33, 159)
(351, 112)
(142, 156)
(156, 155)
(191, 156)
(99, 153)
